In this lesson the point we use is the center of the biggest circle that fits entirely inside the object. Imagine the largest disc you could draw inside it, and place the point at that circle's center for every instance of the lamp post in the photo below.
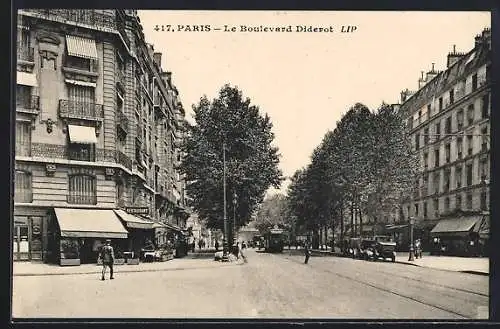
(235, 196)
(224, 239)
(411, 256)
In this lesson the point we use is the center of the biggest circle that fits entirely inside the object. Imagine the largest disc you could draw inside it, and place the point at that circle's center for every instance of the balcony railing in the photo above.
(79, 16)
(82, 155)
(23, 195)
(124, 160)
(120, 26)
(138, 132)
(25, 53)
(81, 110)
(120, 78)
(82, 199)
(122, 121)
(29, 104)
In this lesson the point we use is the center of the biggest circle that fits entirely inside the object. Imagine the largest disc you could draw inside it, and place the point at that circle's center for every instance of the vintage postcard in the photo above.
(180, 164)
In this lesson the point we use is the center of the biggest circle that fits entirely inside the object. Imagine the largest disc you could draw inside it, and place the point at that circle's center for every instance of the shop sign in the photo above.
(137, 210)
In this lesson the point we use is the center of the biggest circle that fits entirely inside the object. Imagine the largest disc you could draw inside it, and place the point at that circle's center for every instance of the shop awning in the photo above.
(132, 221)
(90, 223)
(80, 83)
(396, 227)
(81, 47)
(26, 79)
(82, 134)
(455, 225)
(159, 225)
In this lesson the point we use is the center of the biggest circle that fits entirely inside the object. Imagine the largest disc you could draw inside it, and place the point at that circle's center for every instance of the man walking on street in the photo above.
(307, 251)
(108, 258)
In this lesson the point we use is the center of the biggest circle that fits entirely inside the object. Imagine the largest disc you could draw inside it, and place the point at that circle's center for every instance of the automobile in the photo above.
(367, 249)
(354, 248)
(384, 250)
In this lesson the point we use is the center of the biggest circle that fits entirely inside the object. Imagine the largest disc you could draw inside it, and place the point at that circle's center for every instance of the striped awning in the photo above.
(81, 47)
(132, 221)
(89, 223)
(26, 79)
(82, 134)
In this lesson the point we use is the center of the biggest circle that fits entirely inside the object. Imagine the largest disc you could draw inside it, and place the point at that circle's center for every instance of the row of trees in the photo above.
(363, 168)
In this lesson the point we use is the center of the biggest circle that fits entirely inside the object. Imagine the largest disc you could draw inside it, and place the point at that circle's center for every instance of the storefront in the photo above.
(81, 232)
(29, 234)
(458, 236)
(141, 233)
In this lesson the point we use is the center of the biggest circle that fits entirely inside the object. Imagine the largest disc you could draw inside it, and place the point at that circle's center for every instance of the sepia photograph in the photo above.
(217, 164)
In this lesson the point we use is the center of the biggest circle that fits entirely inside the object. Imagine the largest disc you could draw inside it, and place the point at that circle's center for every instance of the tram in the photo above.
(274, 240)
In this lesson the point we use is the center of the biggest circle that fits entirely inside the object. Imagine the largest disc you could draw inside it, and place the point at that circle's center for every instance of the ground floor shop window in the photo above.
(69, 248)
(28, 238)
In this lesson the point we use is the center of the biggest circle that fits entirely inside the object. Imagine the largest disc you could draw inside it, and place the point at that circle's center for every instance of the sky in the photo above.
(306, 81)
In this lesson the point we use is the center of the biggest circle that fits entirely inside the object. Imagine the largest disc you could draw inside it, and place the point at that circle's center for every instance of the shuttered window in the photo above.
(22, 187)
(23, 138)
(82, 189)
(81, 94)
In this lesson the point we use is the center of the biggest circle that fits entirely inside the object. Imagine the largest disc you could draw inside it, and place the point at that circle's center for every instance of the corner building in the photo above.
(448, 122)
(98, 129)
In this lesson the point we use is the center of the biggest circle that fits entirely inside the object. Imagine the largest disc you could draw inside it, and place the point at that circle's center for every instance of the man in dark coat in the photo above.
(107, 256)
(307, 251)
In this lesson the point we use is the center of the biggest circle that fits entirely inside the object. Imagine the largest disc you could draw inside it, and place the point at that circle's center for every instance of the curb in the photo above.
(134, 271)
(444, 269)
(476, 273)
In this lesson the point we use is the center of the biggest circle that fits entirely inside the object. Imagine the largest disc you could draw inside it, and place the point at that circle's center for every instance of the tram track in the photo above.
(423, 301)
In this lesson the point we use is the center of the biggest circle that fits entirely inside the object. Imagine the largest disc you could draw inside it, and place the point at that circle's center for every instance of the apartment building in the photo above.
(448, 121)
(98, 129)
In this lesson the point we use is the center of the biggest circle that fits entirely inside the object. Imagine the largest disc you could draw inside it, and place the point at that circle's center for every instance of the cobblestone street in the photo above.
(268, 286)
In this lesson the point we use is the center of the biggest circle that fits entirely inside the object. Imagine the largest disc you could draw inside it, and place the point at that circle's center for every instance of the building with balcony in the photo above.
(98, 128)
(448, 123)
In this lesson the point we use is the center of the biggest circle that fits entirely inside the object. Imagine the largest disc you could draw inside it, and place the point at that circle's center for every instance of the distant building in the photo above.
(98, 128)
(448, 122)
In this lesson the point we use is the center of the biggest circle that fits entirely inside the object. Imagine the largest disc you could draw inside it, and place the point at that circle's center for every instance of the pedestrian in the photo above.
(199, 244)
(216, 245)
(236, 250)
(307, 251)
(107, 256)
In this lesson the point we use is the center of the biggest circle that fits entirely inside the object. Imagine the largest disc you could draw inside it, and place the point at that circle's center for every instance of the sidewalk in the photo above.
(37, 269)
(473, 265)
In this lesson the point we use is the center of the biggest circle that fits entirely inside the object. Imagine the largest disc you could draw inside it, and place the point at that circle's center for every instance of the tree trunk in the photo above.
(342, 221)
(320, 238)
(360, 223)
(326, 236)
(353, 230)
(315, 239)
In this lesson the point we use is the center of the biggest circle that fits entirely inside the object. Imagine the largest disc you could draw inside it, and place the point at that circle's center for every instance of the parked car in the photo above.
(355, 248)
(367, 248)
(385, 250)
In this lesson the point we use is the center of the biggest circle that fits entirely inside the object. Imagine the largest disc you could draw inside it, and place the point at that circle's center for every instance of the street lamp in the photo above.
(411, 256)
(235, 196)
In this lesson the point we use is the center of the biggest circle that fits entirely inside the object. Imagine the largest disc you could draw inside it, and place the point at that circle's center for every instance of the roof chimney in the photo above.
(431, 74)
(421, 81)
(157, 59)
(453, 57)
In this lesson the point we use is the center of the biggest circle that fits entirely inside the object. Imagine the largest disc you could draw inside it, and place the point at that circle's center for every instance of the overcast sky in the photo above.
(306, 81)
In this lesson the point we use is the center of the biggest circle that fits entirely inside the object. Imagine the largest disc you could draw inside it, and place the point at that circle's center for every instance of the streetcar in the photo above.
(274, 240)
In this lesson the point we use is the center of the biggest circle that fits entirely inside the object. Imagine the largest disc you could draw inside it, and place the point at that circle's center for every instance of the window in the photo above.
(468, 172)
(84, 64)
(470, 114)
(24, 50)
(485, 105)
(447, 125)
(23, 96)
(426, 136)
(426, 160)
(438, 131)
(446, 183)
(419, 116)
(484, 137)
(436, 158)
(458, 176)
(82, 100)
(447, 152)
(436, 206)
(425, 210)
(446, 204)
(483, 169)
(417, 141)
(440, 103)
(436, 180)
(82, 189)
(484, 200)
(458, 201)
(23, 138)
(474, 82)
(470, 145)
(416, 209)
(428, 109)
(460, 143)
(468, 202)
(460, 119)
(452, 96)
(22, 187)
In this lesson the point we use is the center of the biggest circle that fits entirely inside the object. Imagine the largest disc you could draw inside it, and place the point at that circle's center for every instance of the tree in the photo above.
(251, 160)
(272, 212)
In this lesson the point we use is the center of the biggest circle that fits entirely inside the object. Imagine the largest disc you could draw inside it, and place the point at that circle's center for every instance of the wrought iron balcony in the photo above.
(82, 155)
(78, 16)
(138, 132)
(120, 78)
(24, 53)
(122, 121)
(124, 160)
(82, 199)
(29, 104)
(120, 26)
(81, 110)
